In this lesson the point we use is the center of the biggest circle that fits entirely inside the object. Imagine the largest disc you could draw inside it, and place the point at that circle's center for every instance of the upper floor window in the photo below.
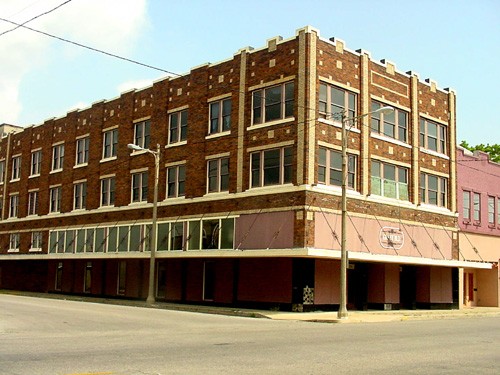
(330, 168)
(177, 126)
(16, 167)
(110, 143)
(142, 133)
(393, 124)
(14, 242)
(273, 103)
(57, 157)
(36, 163)
(389, 180)
(477, 206)
(140, 187)
(14, 205)
(2, 171)
(334, 100)
(433, 190)
(218, 175)
(176, 181)
(271, 167)
(491, 210)
(108, 191)
(466, 203)
(433, 136)
(36, 241)
(80, 195)
(82, 151)
(220, 116)
(55, 197)
(33, 202)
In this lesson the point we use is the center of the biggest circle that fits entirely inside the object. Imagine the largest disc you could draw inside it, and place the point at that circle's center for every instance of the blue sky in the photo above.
(453, 42)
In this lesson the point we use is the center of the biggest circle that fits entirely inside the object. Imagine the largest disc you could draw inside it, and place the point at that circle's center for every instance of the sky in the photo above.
(453, 42)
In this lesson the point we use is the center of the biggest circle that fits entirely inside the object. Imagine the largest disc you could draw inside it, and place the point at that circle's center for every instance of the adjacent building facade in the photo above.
(249, 186)
(479, 222)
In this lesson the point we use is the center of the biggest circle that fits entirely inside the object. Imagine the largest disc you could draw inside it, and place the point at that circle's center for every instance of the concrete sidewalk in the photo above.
(385, 316)
(317, 316)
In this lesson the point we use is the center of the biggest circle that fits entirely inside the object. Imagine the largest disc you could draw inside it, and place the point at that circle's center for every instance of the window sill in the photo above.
(217, 135)
(174, 199)
(176, 144)
(433, 208)
(35, 250)
(15, 180)
(80, 165)
(434, 153)
(338, 124)
(335, 189)
(216, 194)
(271, 123)
(56, 171)
(13, 250)
(34, 175)
(385, 138)
(270, 188)
(381, 198)
(104, 160)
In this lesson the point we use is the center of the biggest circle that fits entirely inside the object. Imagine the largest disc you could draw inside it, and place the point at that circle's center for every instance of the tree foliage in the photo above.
(492, 150)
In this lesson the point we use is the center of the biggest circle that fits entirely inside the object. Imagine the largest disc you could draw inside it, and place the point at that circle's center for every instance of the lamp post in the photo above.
(152, 235)
(342, 313)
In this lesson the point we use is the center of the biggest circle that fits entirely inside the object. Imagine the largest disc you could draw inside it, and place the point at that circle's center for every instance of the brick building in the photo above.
(479, 222)
(249, 200)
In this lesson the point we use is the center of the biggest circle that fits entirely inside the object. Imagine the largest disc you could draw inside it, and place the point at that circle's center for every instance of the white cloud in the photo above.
(111, 25)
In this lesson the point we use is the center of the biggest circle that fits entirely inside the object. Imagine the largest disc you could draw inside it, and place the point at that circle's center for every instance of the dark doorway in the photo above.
(208, 281)
(302, 277)
(408, 287)
(357, 286)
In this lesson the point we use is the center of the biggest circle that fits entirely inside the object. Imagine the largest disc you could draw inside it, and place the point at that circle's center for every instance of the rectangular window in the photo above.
(392, 125)
(330, 168)
(273, 103)
(466, 204)
(177, 127)
(140, 187)
(2, 171)
(491, 210)
(433, 190)
(271, 167)
(14, 242)
(220, 116)
(36, 241)
(110, 144)
(335, 101)
(55, 199)
(16, 167)
(36, 163)
(142, 133)
(477, 206)
(57, 157)
(82, 151)
(389, 181)
(80, 196)
(176, 181)
(433, 136)
(108, 191)
(87, 284)
(218, 175)
(33, 203)
(14, 205)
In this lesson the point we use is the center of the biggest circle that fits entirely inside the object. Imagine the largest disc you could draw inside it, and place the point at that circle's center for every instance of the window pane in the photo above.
(389, 172)
(211, 231)
(255, 169)
(272, 167)
(135, 238)
(227, 234)
(123, 238)
(177, 236)
(112, 245)
(194, 235)
(273, 103)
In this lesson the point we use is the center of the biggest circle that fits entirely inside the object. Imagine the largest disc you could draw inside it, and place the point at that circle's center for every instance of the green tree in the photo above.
(492, 150)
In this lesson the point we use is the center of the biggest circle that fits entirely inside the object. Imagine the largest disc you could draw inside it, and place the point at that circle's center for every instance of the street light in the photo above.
(342, 313)
(152, 235)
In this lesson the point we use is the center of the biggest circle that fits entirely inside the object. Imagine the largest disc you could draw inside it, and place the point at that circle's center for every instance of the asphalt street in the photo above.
(49, 336)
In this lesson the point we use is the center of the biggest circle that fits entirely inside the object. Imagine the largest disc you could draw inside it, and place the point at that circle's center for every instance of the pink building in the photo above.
(478, 196)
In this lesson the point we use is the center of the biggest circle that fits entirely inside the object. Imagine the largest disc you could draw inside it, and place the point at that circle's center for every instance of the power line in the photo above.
(34, 18)
(90, 48)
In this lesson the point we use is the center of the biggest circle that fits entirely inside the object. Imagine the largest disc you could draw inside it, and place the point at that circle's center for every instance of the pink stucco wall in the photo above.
(369, 229)
(476, 173)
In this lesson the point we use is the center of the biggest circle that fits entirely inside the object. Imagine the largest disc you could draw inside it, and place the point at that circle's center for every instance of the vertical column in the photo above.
(241, 118)
(306, 105)
(453, 151)
(415, 137)
(460, 288)
(365, 124)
